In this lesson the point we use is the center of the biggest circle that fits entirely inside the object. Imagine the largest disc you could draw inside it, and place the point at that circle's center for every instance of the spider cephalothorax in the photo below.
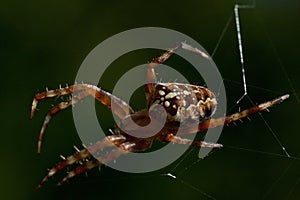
(168, 105)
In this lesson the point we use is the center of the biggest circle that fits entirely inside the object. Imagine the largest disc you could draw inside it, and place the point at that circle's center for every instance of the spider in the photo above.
(183, 103)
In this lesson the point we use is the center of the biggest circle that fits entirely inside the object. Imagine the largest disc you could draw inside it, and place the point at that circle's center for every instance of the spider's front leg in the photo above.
(120, 146)
(120, 108)
(119, 150)
(81, 155)
(120, 143)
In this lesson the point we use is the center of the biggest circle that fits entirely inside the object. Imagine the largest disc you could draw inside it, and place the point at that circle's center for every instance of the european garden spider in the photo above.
(183, 103)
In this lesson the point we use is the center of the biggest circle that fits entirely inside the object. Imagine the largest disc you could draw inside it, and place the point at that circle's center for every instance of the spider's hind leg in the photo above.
(197, 143)
(212, 123)
(150, 74)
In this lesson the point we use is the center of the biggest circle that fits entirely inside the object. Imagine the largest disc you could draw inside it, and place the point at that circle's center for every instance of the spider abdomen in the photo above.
(184, 102)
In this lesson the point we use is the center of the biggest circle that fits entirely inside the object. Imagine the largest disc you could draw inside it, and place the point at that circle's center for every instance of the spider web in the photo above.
(267, 156)
(178, 171)
(262, 150)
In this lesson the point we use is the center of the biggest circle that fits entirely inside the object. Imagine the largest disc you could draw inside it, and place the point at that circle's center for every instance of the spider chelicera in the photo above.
(184, 104)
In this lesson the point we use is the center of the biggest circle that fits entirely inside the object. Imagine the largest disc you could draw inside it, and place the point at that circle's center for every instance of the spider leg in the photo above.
(188, 47)
(108, 157)
(49, 94)
(83, 154)
(150, 73)
(120, 108)
(179, 140)
(53, 111)
(212, 123)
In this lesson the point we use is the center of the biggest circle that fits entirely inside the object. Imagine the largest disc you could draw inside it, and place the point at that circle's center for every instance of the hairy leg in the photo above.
(108, 141)
(179, 140)
(212, 123)
(123, 148)
(150, 74)
(120, 108)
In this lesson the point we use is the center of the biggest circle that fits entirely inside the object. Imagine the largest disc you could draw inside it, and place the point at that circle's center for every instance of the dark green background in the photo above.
(42, 43)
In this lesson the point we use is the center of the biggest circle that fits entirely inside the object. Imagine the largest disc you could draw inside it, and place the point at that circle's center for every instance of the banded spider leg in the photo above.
(121, 108)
